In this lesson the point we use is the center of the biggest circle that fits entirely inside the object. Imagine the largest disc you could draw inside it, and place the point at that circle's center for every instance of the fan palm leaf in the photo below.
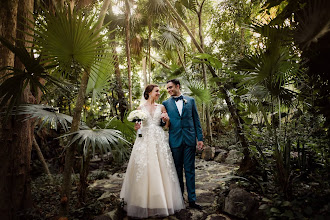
(155, 8)
(274, 67)
(198, 90)
(105, 140)
(170, 37)
(47, 116)
(313, 22)
(70, 41)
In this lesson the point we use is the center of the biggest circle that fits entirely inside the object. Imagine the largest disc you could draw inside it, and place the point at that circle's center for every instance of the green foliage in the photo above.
(198, 90)
(170, 38)
(99, 80)
(70, 41)
(189, 4)
(104, 139)
(155, 7)
(16, 80)
(208, 59)
(46, 115)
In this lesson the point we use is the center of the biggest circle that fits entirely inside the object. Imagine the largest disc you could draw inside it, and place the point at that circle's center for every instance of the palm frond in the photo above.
(125, 127)
(313, 22)
(189, 4)
(105, 140)
(46, 115)
(156, 8)
(198, 90)
(99, 80)
(16, 80)
(170, 37)
(70, 41)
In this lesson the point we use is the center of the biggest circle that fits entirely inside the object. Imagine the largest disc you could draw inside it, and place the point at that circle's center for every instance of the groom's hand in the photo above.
(200, 145)
(165, 117)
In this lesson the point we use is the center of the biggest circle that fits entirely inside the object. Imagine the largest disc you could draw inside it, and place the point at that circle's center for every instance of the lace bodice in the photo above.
(152, 119)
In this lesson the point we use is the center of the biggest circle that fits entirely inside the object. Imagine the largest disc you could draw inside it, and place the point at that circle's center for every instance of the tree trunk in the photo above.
(144, 70)
(16, 136)
(42, 159)
(84, 170)
(128, 52)
(149, 49)
(207, 106)
(119, 88)
(69, 156)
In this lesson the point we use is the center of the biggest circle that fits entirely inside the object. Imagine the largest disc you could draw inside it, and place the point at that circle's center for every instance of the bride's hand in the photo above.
(137, 126)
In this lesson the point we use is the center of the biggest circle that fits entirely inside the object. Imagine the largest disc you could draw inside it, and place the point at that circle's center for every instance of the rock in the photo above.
(234, 157)
(221, 156)
(191, 214)
(108, 197)
(217, 217)
(239, 203)
(208, 153)
(102, 217)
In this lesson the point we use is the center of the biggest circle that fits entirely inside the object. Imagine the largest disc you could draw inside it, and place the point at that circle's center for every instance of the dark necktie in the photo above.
(178, 98)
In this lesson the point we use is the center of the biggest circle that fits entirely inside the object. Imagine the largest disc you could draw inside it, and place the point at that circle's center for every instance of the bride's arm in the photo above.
(165, 117)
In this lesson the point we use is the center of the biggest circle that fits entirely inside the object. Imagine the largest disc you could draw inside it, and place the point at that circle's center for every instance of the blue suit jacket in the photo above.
(185, 128)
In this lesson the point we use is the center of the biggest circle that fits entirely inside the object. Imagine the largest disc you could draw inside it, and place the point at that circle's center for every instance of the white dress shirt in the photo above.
(179, 105)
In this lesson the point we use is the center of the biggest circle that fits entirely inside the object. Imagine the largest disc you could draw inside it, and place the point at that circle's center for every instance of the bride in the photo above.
(151, 186)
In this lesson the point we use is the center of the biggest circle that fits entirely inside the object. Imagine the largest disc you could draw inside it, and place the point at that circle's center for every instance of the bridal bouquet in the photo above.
(137, 116)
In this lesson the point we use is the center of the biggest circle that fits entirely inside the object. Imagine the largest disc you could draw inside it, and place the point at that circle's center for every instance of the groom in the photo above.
(185, 130)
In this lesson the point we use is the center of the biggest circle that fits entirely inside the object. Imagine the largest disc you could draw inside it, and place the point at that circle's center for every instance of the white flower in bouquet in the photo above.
(137, 116)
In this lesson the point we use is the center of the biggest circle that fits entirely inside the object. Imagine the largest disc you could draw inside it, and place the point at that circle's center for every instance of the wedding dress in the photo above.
(151, 186)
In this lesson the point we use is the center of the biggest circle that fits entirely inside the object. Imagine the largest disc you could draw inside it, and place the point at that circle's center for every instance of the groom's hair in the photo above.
(174, 81)
(148, 89)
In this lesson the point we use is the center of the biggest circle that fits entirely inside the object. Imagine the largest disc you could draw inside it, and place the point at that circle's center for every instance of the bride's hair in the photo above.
(148, 89)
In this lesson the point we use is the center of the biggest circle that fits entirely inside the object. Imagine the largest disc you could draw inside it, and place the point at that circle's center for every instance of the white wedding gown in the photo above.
(151, 186)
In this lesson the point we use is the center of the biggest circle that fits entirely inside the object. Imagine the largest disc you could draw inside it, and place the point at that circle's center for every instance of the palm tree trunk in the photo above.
(144, 70)
(119, 88)
(69, 156)
(128, 52)
(16, 136)
(84, 170)
(42, 159)
(207, 106)
(149, 49)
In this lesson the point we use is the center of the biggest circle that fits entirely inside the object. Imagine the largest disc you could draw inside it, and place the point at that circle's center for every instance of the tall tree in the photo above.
(16, 136)
(128, 51)
(199, 12)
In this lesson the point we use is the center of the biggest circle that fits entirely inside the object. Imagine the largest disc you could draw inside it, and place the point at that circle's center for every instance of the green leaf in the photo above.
(263, 206)
(247, 120)
(275, 210)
